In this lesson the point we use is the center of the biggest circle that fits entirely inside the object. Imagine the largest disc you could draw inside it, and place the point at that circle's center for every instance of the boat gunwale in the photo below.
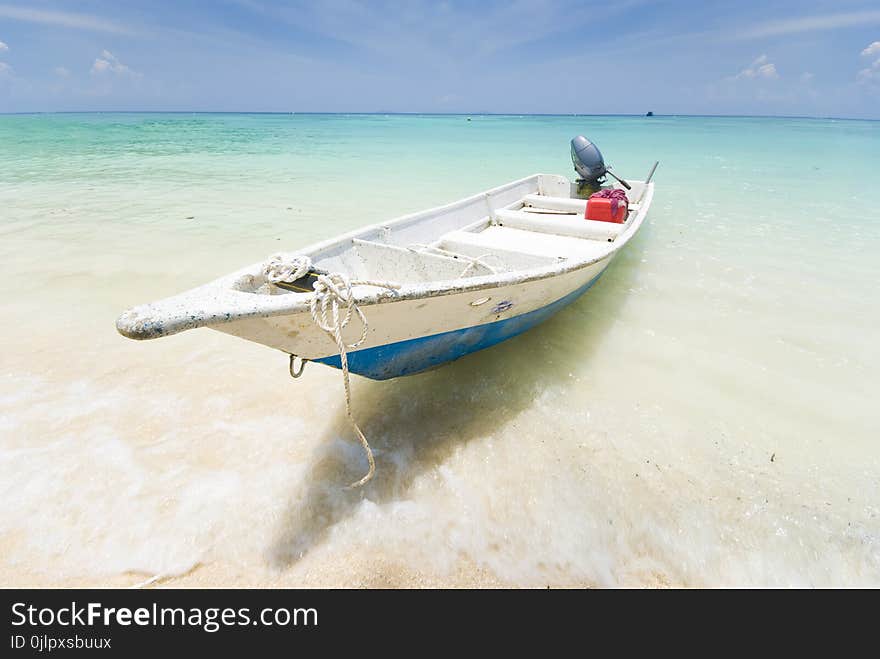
(454, 286)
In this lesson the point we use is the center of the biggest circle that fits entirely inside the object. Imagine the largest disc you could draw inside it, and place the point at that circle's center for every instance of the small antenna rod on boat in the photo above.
(651, 175)
(618, 179)
(648, 180)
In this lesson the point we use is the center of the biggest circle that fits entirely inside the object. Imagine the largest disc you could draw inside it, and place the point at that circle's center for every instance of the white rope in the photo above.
(287, 267)
(332, 292)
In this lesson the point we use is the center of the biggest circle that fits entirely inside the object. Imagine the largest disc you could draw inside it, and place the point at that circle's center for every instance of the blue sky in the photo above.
(522, 56)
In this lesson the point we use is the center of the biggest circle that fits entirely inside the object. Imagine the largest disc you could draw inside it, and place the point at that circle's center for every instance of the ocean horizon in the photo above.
(446, 114)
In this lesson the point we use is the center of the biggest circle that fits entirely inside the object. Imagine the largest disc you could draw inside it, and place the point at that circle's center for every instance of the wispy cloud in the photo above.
(62, 18)
(759, 68)
(872, 49)
(870, 75)
(3, 47)
(61, 72)
(108, 63)
(441, 31)
(5, 69)
(810, 24)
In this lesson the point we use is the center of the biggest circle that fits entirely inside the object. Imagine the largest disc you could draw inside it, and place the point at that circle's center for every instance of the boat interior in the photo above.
(511, 230)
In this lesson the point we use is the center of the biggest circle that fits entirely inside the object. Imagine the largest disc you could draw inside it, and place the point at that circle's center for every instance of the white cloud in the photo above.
(61, 72)
(871, 74)
(872, 49)
(110, 64)
(767, 71)
(3, 47)
(759, 68)
(811, 24)
(5, 69)
(62, 18)
(806, 76)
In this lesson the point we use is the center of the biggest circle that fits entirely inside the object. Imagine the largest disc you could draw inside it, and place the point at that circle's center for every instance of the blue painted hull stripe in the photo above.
(414, 355)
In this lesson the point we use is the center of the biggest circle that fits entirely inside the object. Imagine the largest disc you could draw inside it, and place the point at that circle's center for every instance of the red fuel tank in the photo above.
(607, 206)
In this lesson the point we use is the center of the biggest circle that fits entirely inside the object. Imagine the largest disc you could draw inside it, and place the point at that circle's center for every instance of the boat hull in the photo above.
(409, 336)
(415, 355)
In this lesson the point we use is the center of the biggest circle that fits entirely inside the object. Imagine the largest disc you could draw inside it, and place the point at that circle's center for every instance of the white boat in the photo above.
(433, 286)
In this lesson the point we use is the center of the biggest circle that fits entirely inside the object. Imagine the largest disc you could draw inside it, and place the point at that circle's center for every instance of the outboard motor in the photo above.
(587, 161)
(590, 166)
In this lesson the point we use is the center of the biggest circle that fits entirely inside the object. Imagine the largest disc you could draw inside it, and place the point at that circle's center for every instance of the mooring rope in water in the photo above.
(332, 291)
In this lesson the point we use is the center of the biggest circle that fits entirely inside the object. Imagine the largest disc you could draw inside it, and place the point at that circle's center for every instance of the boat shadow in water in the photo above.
(416, 423)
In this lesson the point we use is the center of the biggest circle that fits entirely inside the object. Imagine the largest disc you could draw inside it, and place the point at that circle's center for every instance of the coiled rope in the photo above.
(287, 268)
(333, 292)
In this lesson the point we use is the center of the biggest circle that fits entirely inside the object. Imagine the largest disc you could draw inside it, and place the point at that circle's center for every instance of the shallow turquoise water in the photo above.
(627, 441)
